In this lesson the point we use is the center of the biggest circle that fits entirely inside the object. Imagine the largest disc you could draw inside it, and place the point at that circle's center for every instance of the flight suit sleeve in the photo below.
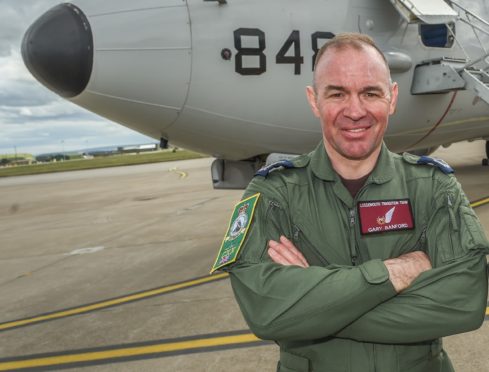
(448, 299)
(293, 303)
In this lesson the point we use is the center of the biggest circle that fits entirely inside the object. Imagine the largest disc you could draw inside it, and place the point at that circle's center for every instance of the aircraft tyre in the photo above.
(486, 160)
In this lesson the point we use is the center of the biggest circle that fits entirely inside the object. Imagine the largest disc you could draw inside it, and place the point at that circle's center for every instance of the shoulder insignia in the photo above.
(439, 163)
(426, 160)
(264, 171)
(236, 232)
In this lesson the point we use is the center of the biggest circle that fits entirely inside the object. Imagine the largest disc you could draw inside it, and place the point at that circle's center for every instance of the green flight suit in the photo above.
(342, 313)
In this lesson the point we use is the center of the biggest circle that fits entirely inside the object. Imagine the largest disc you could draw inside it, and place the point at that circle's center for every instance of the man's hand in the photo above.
(285, 253)
(404, 269)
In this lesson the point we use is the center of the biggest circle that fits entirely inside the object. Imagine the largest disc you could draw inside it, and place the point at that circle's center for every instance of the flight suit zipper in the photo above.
(353, 245)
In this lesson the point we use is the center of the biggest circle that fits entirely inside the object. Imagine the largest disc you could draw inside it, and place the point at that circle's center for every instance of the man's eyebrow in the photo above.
(372, 88)
(334, 87)
(328, 88)
(369, 88)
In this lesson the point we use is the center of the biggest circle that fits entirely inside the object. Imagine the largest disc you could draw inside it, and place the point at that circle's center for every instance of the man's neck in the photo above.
(353, 169)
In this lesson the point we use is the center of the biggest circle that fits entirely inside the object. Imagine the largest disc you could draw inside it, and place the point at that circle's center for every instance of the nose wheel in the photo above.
(486, 160)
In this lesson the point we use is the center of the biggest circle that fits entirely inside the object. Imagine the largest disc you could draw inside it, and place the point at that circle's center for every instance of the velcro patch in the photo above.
(385, 215)
(236, 233)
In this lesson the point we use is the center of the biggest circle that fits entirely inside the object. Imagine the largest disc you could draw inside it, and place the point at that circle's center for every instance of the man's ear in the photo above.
(311, 98)
(394, 94)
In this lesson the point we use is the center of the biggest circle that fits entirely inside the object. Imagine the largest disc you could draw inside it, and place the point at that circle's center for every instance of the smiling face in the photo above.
(353, 99)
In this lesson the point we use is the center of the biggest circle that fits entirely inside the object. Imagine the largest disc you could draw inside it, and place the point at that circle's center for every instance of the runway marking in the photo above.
(182, 174)
(479, 202)
(141, 295)
(86, 251)
(135, 351)
(112, 302)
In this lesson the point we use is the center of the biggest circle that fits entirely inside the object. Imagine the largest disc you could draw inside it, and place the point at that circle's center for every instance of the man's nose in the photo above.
(355, 108)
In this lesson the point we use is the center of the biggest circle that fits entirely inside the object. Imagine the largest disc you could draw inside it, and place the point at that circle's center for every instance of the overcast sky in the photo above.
(35, 120)
(32, 118)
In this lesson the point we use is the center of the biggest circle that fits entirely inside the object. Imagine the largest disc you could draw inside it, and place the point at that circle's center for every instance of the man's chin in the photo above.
(358, 154)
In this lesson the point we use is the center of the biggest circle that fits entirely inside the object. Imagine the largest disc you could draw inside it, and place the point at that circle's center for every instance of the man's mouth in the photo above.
(356, 130)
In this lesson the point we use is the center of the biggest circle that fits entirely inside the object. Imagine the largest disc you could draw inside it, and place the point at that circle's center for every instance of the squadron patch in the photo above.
(236, 233)
(385, 215)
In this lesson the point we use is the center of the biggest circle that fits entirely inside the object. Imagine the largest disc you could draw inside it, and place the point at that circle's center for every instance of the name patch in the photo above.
(385, 215)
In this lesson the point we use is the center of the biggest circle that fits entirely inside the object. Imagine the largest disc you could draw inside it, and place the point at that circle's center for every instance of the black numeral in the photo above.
(238, 34)
(314, 41)
(297, 60)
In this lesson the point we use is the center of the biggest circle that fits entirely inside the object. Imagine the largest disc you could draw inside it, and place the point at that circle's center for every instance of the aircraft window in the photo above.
(437, 36)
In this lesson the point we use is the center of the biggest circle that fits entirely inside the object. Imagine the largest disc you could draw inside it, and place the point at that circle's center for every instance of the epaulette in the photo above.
(264, 171)
(426, 160)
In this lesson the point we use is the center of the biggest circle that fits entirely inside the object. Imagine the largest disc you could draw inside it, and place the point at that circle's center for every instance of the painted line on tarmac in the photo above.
(112, 302)
(479, 202)
(142, 295)
(134, 351)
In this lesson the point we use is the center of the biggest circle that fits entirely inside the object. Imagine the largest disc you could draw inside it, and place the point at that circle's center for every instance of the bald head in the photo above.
(345, 41)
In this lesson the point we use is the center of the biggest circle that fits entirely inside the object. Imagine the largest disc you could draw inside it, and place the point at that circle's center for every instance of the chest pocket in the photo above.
(310, 252)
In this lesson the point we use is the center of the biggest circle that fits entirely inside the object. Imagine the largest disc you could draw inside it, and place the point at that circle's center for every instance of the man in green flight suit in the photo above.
(352, 258)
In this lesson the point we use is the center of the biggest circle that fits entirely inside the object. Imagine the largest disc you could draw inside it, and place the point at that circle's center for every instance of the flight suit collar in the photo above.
(321, 166)
(384, 170)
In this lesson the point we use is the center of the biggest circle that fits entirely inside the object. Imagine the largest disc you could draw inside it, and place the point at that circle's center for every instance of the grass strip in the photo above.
(99, 162)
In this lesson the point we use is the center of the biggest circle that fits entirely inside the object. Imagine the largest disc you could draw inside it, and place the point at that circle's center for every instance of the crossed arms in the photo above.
(412, 298)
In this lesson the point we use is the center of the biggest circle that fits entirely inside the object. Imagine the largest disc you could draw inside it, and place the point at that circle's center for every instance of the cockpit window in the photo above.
(437, 36)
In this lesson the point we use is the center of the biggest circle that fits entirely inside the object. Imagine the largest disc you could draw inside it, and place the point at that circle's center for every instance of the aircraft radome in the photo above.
(227, 77)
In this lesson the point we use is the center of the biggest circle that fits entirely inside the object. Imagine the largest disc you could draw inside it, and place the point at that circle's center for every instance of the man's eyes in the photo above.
(368, 94)
(335, 94)
(371, 94)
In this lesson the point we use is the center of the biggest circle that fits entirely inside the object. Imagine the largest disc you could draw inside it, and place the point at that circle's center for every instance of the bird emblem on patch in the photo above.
(240, 222)
(236, 232)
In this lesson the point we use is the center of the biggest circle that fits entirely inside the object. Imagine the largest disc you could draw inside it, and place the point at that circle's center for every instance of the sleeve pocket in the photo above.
(472, 233)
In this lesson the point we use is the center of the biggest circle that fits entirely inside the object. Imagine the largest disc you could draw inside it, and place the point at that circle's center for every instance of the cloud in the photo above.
(32, 118)
(15, 17)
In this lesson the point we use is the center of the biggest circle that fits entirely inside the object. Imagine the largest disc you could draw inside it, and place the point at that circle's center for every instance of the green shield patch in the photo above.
(236, 233)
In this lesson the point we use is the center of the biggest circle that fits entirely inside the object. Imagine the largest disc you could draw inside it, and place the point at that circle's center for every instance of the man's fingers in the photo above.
(277, 257)
(283, 255)
(293, 250)
(286, 257)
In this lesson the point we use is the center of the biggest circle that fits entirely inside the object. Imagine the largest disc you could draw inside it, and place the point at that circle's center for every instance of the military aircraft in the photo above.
(227, 77)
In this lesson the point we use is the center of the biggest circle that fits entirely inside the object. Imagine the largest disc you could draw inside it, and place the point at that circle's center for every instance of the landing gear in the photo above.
(486, 160)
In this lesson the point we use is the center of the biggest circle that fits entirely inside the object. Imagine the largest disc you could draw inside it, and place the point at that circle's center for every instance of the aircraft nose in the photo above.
(58, 50)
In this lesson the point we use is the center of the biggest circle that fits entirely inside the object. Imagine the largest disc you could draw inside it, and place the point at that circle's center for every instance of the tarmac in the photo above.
(107, 270)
